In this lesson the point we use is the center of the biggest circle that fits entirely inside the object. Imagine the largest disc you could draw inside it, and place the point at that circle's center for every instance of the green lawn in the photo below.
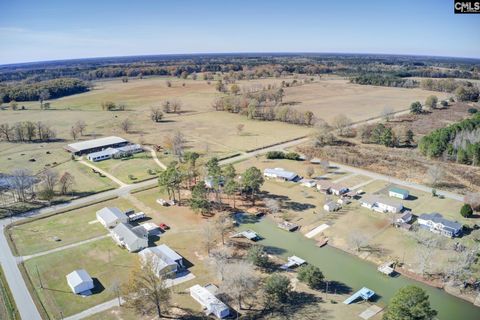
(70, 227)
(136, 167)
(86, 182)
(103, 260)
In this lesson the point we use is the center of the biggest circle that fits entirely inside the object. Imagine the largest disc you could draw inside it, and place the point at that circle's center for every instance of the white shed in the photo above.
(210, 303)
(111, 217)
(79, 281)
(331, 206)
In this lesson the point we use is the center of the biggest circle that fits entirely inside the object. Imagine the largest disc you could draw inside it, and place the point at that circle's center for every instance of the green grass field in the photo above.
(137, 167)
(71, 227)
(103, 260)
(8, 308)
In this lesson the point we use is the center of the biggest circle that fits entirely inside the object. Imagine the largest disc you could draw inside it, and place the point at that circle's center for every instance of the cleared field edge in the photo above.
(8, 232)
(33, 291)
(7, 298)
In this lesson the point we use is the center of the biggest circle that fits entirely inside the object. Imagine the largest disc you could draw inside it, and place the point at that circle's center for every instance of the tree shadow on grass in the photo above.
(301, 305)
(334, 287)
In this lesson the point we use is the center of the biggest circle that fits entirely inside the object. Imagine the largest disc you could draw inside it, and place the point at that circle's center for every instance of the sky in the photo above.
(38, 30)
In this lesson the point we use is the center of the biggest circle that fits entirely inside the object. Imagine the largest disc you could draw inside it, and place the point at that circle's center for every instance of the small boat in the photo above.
(322, 242)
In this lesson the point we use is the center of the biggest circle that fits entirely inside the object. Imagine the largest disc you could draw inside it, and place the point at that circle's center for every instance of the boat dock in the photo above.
(386, 268)
(289, 226)
(363, 293)
(293, 261)
(249, 234)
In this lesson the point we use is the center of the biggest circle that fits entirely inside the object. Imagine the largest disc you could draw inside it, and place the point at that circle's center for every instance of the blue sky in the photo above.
(60, 29)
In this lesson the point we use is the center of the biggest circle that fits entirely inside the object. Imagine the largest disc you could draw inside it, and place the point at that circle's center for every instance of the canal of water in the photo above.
(348, 271)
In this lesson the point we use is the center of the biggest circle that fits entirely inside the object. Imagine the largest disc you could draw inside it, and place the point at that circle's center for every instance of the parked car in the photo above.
(164, 226)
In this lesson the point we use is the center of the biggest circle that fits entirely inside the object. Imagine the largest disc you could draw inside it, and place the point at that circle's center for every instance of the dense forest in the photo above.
(42, 90)
(459, 142)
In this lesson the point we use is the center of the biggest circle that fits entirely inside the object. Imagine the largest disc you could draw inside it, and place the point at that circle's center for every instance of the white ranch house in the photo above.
(280, 174)
(132, 238)
(380, 204)
(165, 260)
(110, 217)
(399, 193)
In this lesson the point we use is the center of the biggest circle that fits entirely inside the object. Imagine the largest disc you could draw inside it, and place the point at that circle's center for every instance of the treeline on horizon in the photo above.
(50, 89)
(311, 64)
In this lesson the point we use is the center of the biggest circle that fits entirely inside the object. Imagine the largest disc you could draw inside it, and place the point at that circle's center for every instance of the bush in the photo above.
(311, 275)
(257, 255)
(275, 155)
(278, 288)
(466, 211)
(292, 156)
(472, 110)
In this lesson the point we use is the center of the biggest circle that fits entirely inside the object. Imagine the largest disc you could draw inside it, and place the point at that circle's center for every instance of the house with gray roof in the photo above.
(110, 217)
(94, 145)
(165, 260)
(132, 238)
(280, 174)
(436, 223)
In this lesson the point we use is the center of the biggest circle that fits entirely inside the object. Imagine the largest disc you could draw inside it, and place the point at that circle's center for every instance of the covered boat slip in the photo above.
(363, 293)
(293, 261)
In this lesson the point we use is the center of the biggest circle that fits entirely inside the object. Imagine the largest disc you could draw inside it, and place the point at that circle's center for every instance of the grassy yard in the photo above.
(8, 308)
(103, 260)
(133, 169)
(71, 227)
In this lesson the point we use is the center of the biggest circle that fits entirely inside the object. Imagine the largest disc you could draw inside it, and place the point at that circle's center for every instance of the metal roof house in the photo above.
(436, 223)
(166, 261)
(380, 204)
(281, 174)
(210, 303)
(90, 146)
(102, 155)
(79, 281)
(132, 238)
(399, 193)
(110, 217)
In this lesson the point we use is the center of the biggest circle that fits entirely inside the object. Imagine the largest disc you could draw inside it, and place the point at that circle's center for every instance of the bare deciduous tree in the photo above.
(145, 292)
(435, 175)
(176, 106)
(126, 125)
(156, 114)
(309, 171)
(357, 240)
(81, 126)
(341, 122)
(74, 132)
(178, 143)
(66, 183)
(22, 181)
(49, 179)
(208, 234)
(240, 128)
(240, 280)
(223, 224)
(220, 258)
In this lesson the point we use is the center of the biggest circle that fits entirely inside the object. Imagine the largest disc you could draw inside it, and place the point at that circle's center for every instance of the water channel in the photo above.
(352, 272)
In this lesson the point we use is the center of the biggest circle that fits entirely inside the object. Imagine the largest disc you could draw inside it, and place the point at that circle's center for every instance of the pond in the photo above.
(348, 273)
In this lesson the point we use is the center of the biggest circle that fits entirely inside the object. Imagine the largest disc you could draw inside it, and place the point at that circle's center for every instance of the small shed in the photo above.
(209, 302)
(399, 193)
(79, 281)
(331, 206)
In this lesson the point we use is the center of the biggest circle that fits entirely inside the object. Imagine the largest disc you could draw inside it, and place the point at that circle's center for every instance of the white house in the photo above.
(380, 205)
(309, 183)
(331, 206)
(102, 155)
(110, 217)
(119, 152)
(437, 224)
(165, 260)
(399, 193)
(210, 303)
(79, 281)
(330, 187)
(280, 174)
(132, 238)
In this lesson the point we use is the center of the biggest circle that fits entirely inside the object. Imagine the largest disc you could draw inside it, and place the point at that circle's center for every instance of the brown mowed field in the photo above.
(328, 98)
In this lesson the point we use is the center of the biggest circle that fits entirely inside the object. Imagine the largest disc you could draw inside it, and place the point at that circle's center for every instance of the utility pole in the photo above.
(326, 291)
(39, 278)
